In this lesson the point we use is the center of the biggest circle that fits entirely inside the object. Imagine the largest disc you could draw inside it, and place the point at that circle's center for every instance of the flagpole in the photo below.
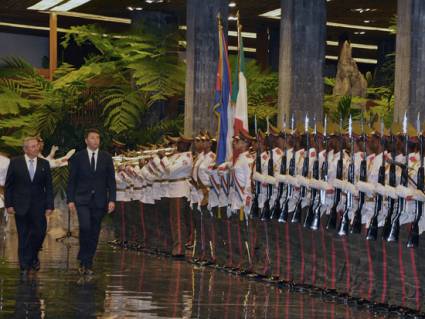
(239, 26)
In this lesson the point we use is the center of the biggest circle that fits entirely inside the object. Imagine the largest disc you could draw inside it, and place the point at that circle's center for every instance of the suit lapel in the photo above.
(25, 168)
(87, 160)
(38, 169)
(99, 162)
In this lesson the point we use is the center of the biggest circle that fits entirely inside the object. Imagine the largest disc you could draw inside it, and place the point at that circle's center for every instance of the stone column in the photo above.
(201, 60)
(410, 59)
(301, 58)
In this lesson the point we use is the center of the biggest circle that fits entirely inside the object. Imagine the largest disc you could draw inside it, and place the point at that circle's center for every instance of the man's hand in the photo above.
(72, 208)
(49, 212)
(111, 207)
(10, 210)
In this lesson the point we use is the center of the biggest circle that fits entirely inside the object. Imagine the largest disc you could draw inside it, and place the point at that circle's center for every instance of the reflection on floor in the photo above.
(136, 285)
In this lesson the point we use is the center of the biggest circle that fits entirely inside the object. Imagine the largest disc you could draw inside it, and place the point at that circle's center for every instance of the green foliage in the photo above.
(131, 74)
(341, 107)
(123, 108)
(329, 82)
(153, 134)
(378, 104)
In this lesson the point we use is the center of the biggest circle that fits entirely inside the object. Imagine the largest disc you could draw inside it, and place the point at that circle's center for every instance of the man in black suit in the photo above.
(29, 196)
(91, 193)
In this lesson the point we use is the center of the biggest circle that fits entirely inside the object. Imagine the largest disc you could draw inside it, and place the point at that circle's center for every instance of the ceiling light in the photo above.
(44, 4)
(63, 30)
(274, 14)
(89, 16)
(130, 8)
(251, 35)
(232, 18)
(361, 10)
(235, 48)
(354, 45)
(232, 4)
(354, 26)
(359, 32)
(154, 1)
(71, 4)
(359, 60)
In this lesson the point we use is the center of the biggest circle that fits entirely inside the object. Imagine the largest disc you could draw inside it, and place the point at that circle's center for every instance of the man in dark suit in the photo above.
(91, 193)
(29, 196)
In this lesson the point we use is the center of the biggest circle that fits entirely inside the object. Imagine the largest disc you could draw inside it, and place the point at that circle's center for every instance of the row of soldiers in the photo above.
(320, 176)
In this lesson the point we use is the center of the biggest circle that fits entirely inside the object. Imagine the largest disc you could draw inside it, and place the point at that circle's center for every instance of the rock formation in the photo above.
(349, 80)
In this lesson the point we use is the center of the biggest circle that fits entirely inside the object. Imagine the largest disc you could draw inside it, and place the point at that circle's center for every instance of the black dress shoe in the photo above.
(89, 272)
(82, 270)
(23, 272)
(36, 265)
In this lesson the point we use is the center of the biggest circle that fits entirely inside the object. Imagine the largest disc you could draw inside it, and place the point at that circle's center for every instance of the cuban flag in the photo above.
(223, 108)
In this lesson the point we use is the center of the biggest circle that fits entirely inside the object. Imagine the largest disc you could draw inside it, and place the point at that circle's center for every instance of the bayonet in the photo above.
(413, 238)
(297, 213)
(395, 224)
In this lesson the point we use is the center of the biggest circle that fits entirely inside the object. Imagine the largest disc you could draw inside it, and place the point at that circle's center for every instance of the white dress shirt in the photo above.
(90, 152)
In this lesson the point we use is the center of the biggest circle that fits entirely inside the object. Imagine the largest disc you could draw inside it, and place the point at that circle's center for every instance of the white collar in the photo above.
(91, 151)
(28, 159)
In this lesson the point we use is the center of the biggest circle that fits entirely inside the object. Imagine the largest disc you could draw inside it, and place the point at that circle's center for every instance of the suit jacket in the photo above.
(23, 194)
(84, 185)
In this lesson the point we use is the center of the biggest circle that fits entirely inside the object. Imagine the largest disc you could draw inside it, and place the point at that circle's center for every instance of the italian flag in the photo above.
(239, 92)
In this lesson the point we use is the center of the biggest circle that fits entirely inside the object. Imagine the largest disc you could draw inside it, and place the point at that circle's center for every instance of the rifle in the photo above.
(395, 224)
(265, 213)
(356, 224)
(413, 238)
(345, 221)
(297, 213)
(276, 206)
(316, 175)
(254, 208)
(331, 223)
(315, 224)
(372, 231)
(391, 201)
(283, 218)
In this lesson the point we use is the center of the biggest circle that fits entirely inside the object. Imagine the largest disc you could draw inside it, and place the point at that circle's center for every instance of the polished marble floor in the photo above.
(139, 285)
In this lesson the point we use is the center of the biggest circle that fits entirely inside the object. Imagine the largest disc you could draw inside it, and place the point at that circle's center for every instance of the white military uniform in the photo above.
(214, 182)
(4, 165)
(178, 169)
(240, 195)
(203, 176)
(194, 191)
(223, 174)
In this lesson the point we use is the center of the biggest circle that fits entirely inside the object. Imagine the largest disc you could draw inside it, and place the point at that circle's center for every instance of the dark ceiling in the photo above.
(380, 14)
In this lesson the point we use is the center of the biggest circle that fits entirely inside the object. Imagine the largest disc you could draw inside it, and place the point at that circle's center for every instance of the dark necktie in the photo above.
(92, 163)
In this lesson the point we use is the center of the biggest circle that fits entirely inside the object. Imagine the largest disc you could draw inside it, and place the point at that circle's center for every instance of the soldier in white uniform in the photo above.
(207, 225)
(240, 200)
(4, 164)
(177, 171)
